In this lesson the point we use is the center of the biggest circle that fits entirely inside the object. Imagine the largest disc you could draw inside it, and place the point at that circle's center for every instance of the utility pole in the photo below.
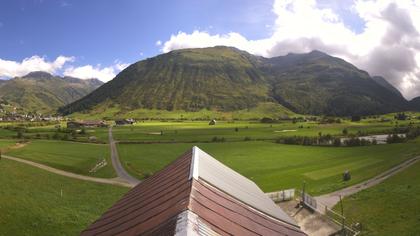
(303, 192)
(343, 229)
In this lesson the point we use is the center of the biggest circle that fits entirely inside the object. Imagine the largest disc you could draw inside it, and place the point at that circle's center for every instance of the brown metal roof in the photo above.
(171, 200)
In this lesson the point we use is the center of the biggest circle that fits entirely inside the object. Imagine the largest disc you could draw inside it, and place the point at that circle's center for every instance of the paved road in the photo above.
(115, 181)
(331, 199)
(119, 169)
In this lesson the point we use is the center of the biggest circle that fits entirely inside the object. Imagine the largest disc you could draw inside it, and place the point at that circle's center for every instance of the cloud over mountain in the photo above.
(387, 43)
(61, 65)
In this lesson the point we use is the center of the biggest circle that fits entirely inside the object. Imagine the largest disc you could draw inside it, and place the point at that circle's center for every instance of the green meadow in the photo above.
(390, 208)
(38, 203)
(196, 131)
(5, 143)
(75, 157)
(263, 109)
(277, 166)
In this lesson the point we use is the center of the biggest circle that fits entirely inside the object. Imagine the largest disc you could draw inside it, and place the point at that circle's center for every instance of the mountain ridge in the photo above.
(228, 79)
(40, 91)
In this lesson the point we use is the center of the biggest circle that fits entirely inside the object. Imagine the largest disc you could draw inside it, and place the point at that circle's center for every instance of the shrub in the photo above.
(266, 120)
(395, 138)
(337, 142)
(217, 139)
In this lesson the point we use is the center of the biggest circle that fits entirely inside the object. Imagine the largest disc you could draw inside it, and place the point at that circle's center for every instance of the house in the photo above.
(85, 124)
(212, 122)
(195, 195)
(124, 122)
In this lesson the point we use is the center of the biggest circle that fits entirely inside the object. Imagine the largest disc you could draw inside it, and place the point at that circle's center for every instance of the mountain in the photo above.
(316, 83)
(415, 104)
(382, 81)
(227, 79)
(191, 79)
(42, 92)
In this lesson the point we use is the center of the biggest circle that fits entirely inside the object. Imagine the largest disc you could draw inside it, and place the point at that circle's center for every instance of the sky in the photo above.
(99, 38)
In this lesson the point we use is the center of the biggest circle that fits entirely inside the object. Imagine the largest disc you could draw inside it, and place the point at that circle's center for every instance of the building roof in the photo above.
(195, 195)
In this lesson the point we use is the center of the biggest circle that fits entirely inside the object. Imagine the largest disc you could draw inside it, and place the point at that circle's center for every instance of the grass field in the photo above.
(265, 109)
(189, 131)
(276, 166)
(390, 208)
(31, 201)
(70, 156)
(5, 143)
(5, 133)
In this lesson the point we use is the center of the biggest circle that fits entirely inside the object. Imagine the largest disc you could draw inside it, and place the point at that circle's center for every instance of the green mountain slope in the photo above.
(227, 79)
(415, 104)
(317, 83)
(382, 81)
(43, 92)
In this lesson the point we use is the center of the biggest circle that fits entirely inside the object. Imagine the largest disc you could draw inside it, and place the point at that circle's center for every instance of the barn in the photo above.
(195, 195)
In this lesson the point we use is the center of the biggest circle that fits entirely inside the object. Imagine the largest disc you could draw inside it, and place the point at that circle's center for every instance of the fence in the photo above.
(98, 166)
(283, 195)
(348, 227)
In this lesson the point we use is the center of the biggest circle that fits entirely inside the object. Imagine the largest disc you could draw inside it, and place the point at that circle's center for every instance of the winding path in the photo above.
(331, 199)
(119, 169)
(114, 181)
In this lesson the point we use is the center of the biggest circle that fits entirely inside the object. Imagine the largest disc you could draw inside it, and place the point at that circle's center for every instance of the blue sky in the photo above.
(100, 32)
(99, 38)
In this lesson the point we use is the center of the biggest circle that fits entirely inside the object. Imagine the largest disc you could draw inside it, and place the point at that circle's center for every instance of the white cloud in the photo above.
(158, 43)
(34, 63)
(61, 65)
(88, 71)
(387, 45)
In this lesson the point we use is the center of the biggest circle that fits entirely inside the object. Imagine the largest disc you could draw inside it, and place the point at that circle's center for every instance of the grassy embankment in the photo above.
(390, 208)
(79, 158)
(31, 202)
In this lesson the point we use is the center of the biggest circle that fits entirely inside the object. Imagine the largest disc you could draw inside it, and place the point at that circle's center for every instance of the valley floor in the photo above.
(65, 206)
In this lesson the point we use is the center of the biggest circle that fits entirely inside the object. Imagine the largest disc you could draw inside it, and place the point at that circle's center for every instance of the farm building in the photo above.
(195, 195)
(86, 124)
(124, 122)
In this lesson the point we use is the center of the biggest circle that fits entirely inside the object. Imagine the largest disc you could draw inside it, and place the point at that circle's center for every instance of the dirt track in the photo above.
(119, 169)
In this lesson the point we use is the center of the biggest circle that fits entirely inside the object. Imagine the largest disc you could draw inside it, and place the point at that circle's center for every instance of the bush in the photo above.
(395, 138)
(401, 116)
(56, 136)
(413, 133)
(247, 139)
(353, 141)
(345, 131)
(266, 120)
(337, 142)
(217, 139)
